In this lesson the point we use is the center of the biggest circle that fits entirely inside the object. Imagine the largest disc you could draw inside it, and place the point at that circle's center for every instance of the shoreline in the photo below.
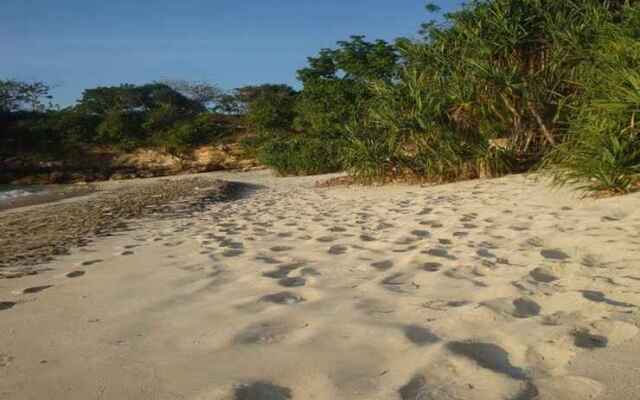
(39, 229)
(48, 194)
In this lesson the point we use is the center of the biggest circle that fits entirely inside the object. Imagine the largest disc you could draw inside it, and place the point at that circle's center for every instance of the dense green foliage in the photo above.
(602, 148)
(493, 90)
(498, 86)
(16, 95)
(335, 84)
(268, 108)
(123, 117)
(335, 93)
(300, 154)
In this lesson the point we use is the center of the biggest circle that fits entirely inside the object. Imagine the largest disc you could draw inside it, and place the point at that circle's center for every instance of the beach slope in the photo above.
(490, 289)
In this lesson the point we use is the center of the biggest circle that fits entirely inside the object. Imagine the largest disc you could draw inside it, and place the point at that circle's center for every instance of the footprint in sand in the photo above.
(442, 253)
(489, 356)
(232, 253)
(399, 283)
(230, 244)
(422, 234)
(543, 275)
(554, 254)
(599, 297)
(534, 242)
(382, 265)
(457, 303)
(431, 266)
(308, 271)
(282, 271)
(268, 260)
(525, 308)
(75, 274)
(338, 250)
(367, 238)
(425, 211)
(420, 335)
(327, 239)
(292, 282)
(415, 389)
(584, 339)
(90, 262)
(518, 308)
(262, 333)
(405, 240)
(592, 261)
(261, 391)
(36, 289)
(280, 249)
(282, 298)
(485, 253)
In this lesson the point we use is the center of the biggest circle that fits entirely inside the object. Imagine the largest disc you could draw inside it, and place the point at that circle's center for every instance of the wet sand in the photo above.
(34, 235)
(47, 194)
(494, 289)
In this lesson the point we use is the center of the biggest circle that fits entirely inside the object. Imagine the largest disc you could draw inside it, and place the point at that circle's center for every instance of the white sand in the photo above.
(485, 290)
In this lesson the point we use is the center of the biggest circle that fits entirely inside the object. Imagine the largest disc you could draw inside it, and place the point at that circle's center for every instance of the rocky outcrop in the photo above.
(105, 164)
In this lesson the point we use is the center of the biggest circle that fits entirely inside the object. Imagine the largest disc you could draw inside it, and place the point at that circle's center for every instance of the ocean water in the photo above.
(8, 192)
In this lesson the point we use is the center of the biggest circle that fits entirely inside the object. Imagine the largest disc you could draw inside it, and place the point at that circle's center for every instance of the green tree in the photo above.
(131, 114)
(336, 84)
(16, 95)
(206, 94)
(269, 107)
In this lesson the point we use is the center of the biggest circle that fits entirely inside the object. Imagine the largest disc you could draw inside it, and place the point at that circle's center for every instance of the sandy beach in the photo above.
(487, 290)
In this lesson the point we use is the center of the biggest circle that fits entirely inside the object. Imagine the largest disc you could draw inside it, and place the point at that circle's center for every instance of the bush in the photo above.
(336, 84)
(270, 108)
(122, 130)
(251, 144)
(73, 127)
(300, 155)
(184, 136)
(498, 87)
(370, 156)
(601, 151)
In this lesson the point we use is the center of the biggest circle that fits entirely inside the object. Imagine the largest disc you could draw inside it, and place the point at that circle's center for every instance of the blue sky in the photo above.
(78, 44)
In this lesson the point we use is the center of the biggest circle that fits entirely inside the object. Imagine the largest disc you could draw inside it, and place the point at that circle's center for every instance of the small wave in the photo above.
(15, 193)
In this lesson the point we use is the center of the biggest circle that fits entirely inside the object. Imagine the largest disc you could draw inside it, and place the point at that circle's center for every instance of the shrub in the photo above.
(269, 108)
(335, 82)
(601, 151)
(300, 154)
(122, 130)
(370, 156)
(73, 127)
(528, 74)
(184, 136)
(251, 144)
